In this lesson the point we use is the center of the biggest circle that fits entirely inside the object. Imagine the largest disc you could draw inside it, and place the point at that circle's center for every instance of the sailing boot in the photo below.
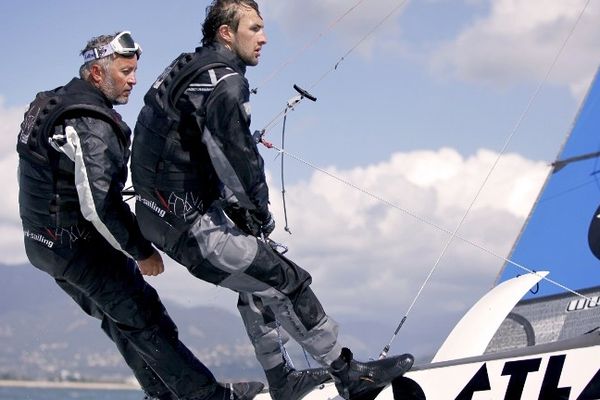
(286, 383)
(354, 378)
(237, 391)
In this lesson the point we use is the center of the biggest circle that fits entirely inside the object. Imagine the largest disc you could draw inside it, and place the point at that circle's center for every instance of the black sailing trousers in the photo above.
(107, 285)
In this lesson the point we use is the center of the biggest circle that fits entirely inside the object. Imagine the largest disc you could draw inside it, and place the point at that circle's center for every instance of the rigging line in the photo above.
(569, 190)
(595, 173)
(453, 234)
(398, 6)
(423, 220)
(285, 214)
(365, 37)
(307, 46)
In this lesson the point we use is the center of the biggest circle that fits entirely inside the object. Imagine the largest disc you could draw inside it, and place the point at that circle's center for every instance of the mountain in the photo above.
(45, 335)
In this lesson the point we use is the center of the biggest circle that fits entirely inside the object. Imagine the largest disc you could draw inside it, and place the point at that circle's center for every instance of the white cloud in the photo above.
(359, 247)
(519, 39)
(11, 245)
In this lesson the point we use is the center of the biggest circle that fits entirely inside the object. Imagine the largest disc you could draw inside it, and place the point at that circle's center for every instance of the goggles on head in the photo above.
(122, 44)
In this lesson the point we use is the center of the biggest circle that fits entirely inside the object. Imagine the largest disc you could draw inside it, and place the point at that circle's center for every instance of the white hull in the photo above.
(557, 371)
(554, 371)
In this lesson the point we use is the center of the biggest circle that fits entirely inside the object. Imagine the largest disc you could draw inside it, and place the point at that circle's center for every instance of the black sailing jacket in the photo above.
(193, 134)
(77, 180)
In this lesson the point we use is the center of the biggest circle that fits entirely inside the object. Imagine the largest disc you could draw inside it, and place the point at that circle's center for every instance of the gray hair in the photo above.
(104, 62)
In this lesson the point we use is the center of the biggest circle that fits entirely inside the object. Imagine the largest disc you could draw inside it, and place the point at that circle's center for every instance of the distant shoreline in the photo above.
(69, 385)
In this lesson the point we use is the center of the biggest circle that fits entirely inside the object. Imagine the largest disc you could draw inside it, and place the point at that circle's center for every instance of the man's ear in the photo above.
(96, 73)
(225, 35)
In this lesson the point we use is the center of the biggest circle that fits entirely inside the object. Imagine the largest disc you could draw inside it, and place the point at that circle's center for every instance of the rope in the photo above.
(365, 37)
(284, 352)
(285, 214)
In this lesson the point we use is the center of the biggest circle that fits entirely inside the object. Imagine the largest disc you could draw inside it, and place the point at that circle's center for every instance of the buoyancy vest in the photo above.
(48, 196)
(49, 108)
(167, 153)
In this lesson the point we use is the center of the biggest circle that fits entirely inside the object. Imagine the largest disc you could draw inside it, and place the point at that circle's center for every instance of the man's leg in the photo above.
(285, 383)
(148, 380)
(114, 284)
(244, 264)
(216, 251)
(57, 262)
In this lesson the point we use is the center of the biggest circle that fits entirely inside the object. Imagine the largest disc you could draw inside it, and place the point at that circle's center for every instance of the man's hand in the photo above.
(263, 225)
(268, 227)
(152, 265)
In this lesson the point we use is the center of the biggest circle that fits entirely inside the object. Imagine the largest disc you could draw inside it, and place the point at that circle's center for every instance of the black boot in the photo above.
(237, 391)
(289, 384)
(354, 378)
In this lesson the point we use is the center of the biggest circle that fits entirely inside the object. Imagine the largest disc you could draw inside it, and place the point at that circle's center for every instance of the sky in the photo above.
(436, 108)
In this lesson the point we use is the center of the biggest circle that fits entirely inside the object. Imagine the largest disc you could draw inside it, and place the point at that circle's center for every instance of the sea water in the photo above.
(22, 393)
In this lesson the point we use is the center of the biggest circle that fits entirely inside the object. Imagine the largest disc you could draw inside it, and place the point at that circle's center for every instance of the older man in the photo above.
(73, 151)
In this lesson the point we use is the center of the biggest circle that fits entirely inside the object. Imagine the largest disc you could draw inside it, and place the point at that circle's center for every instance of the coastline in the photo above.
(69, 385)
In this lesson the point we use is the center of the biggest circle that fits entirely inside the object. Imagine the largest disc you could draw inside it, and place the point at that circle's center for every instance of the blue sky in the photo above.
(416, 114)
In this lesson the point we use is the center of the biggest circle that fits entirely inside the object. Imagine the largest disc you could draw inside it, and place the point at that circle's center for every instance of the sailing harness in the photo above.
(160, 118)
(46, 110)
(36, 144)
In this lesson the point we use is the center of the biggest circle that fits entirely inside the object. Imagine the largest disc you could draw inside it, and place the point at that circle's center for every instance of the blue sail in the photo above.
(555, 235)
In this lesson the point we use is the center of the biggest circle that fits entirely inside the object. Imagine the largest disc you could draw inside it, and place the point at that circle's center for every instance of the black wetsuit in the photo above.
(193, 157)
(79, 230)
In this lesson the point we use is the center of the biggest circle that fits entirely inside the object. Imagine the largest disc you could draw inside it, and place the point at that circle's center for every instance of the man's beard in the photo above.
(111, 92)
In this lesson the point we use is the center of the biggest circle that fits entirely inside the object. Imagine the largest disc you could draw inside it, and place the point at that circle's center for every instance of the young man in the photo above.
(203, 199)
(73, 151)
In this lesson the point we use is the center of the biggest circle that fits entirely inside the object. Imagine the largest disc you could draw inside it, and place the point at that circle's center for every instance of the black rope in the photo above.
(285, 214)
(302, 94)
